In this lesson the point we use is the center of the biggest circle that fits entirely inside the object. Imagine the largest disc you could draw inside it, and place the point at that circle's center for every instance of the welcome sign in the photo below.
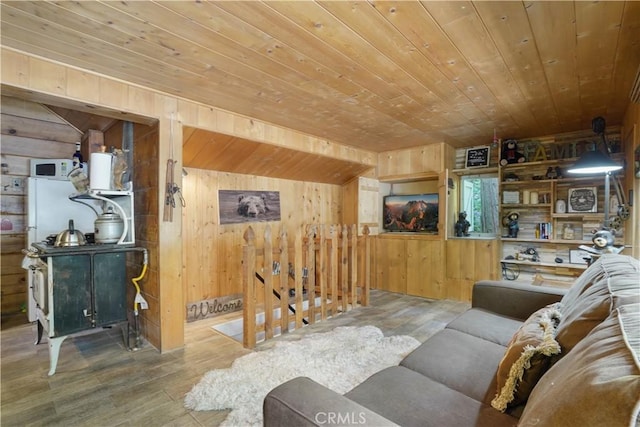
(213, 307)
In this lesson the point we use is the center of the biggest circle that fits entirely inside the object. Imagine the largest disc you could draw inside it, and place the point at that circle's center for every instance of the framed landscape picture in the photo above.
(584, 199)
(411, 212)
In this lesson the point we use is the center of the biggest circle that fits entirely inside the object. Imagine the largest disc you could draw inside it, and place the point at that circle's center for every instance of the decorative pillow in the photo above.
(527, 357)
(597, 383)
(610, 282)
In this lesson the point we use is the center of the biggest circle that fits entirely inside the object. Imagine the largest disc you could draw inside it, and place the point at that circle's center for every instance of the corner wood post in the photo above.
(333, 265)
(298, 264)
(344, 269)
(353, 256)
(324, 269)
(268, 283)
(310, 263)
(365, 281)
(284, 280)
(248, 289)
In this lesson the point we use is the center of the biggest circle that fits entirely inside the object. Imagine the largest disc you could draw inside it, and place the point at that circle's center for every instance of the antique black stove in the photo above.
(77, 288)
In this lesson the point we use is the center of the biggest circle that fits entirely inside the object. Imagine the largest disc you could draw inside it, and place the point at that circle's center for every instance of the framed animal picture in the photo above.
(411, 212)
(248, 206)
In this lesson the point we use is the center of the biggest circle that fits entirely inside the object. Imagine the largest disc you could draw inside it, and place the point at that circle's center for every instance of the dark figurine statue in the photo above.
(551, 173)
(513, 224)
(462, 226)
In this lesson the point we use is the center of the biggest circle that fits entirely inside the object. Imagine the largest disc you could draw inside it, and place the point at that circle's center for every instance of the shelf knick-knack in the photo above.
(568, 232)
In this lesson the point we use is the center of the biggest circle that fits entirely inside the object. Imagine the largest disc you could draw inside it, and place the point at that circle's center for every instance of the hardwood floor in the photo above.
(99, 383)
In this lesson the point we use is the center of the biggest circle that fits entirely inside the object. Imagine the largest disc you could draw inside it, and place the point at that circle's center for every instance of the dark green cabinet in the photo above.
(88, 290)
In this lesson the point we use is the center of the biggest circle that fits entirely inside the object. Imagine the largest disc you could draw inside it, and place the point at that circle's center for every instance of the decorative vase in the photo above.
(561, 206)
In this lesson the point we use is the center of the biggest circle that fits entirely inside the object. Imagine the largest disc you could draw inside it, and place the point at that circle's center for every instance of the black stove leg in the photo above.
(40, 330)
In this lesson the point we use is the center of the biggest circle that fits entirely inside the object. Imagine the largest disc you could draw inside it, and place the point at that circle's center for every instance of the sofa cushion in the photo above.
(527, 357)
(608, 283)
(486, 325)
(302, 402)
(460, 361)
(597, 383)
(514, 299)
(411, 399)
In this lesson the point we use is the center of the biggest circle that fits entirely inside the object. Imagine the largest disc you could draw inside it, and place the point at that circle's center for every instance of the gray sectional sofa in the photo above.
(522, 355)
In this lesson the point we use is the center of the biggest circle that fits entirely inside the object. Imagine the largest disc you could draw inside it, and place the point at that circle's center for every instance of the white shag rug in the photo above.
(340, 360)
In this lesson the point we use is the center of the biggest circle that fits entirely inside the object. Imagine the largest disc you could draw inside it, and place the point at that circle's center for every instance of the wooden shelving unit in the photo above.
(531, 177)
(552, 241)
(544, 264)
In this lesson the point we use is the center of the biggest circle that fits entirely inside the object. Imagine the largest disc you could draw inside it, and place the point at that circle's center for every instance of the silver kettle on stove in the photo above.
(70, 237)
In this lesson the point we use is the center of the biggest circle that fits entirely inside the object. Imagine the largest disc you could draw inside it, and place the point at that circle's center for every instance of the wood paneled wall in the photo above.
(146, 192)
(40, 80)
(410, 265)
(429, 266)
(29, 130)
(362, 204)
(467, 261)
(146, 189)
(414, 161)
(212, 252)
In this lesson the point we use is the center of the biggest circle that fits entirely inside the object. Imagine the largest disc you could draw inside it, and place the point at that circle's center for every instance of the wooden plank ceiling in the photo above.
(374, 75)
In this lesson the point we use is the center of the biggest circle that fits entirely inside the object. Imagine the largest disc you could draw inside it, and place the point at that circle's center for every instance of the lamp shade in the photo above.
(594, 162)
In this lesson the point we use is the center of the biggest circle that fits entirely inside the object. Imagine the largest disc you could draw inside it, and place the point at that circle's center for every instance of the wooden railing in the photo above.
(325, 273)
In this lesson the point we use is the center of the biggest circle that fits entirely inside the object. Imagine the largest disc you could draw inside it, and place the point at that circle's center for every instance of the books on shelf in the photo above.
(544, 230)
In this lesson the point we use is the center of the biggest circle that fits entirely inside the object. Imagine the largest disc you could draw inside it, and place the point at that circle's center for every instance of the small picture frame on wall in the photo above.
(477, 157)
(583, 199)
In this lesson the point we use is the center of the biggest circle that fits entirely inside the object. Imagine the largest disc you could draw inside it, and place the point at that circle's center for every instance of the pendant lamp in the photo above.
(594, 162)
(591, 163)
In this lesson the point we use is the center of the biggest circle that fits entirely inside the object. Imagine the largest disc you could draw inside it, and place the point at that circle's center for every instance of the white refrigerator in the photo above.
(49, 210)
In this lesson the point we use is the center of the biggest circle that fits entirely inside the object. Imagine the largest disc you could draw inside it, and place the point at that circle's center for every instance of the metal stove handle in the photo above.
(31, 253)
